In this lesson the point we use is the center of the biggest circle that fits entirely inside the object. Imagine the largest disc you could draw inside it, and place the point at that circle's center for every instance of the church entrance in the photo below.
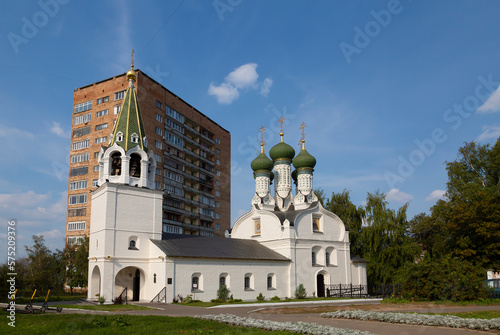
(132, 279)
(136, 285)
(320, 283)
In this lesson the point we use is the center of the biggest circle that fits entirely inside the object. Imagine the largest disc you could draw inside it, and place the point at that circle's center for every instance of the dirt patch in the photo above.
(422, 307)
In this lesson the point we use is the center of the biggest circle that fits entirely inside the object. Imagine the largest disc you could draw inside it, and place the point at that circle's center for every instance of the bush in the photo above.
(445, 279)
(118, 300)
(223, 293)
(101, 299)
(260, 297)
(300, 292)
(234, 300)
(275, 298)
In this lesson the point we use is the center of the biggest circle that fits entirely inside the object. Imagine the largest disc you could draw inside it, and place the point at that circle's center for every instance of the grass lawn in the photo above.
(476, 315)
(111, 308)
(77, 324)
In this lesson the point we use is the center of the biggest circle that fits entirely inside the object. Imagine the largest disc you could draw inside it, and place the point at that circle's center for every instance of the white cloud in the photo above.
(225, 93)
(489, 132)
(22, 200)
(14, 133)
(398, 196)
(57, 129)
(436, 195)
(492, 104)
(243, 77)
(266, 86)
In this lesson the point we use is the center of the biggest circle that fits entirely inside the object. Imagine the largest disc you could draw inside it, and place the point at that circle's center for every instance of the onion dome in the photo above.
(294, 176)
(262, 162)
(304, 159)
(282, 151)
(131, 75)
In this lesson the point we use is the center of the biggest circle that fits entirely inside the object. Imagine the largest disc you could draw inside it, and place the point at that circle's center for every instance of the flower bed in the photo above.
(418, 319)
(297, 327)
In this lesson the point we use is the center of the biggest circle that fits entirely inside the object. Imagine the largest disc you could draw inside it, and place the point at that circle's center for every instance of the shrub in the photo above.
(300, 292)
(101, 299)
(275, 298)
(223, 293)
(445, 279)
(234, 300)
(260, 297)
(118, 300)
(188, 299)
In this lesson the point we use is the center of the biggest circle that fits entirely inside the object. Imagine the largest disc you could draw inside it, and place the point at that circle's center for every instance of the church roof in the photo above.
(176, 245)
(129, 120)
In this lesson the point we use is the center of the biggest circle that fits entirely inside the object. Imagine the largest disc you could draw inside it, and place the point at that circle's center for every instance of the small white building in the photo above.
(283, 241)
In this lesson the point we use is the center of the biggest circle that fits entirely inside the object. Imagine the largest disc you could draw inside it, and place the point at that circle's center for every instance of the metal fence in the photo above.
(346, 291)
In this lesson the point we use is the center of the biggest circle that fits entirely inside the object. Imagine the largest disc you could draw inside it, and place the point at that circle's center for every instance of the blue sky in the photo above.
(389, 90)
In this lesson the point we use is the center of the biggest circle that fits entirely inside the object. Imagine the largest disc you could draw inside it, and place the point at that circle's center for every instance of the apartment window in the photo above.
(206, 211)
(79, 171)
(82, 119)
(173, 176)
(217, 183)
(158, 172)
(101, 126)
(158, 117)
(77, 185)
(174, 114)
(158, 131)
(95, 183)
(157, 185)
(80, 145)
(217, 215)
(119, 95)
(217, 204)
(174, 139)
(158, 144)
(116, 109)
(84, 106)
(101, 139)
(81, 132)
(101, 113)
(217, 161)
(217, 172)
(96, 154)
(74, 240)
(158, 158)
(96, 168)
(217, 140)
(102, 100)
(217, 151)
(80, 225)
(217, 226)
(77, 199)
(80, 158)
(159, 104)
(217, 193)
(77, 212)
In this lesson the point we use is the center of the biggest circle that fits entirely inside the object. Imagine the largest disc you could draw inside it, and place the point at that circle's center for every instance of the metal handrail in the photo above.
(161, 296)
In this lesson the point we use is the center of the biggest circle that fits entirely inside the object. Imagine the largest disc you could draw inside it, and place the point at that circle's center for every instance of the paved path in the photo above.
(252, 311)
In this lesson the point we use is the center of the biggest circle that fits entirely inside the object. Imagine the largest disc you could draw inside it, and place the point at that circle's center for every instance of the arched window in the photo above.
(135, 166)
(248, 281)
(271, 281)
(327, 258)
(196, 282)
(313, 254)
(132, 245)
(119, 137)
(116, 164)
(134, 138)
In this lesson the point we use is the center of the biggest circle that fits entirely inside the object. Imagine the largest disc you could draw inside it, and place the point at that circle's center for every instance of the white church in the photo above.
(282, 242)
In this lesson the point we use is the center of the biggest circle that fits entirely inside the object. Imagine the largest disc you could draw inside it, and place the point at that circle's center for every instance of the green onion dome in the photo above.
(282, 151)
(262, 162)
(294, 176)
(304, 159)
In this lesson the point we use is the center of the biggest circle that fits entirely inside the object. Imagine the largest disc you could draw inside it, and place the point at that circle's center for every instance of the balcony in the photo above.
(208, 139)
(191, 153)
(191, 129)
(191, 141)
(190, 189)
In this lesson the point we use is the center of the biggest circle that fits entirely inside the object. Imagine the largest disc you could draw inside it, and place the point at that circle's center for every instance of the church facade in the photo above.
(282, 242)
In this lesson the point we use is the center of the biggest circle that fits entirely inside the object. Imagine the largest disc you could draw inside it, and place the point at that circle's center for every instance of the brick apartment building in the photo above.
(194, 155)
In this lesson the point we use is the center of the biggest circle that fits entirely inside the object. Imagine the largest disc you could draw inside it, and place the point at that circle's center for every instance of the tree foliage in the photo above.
(45, 268)
(76, 260)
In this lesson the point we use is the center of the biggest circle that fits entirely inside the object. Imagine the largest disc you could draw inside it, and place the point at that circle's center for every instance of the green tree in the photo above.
(320, 193)
(76, 260)
(430, 233)
(472, 212)
(45, 268)
(386, 241)
(351, 215)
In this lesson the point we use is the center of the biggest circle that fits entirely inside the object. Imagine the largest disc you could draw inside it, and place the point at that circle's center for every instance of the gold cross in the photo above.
(261, 131)
(282, 119)
(303, 126)
(133, 51)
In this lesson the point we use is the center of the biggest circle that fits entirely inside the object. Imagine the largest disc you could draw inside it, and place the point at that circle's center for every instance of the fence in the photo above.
(384, 290)
(346, 291)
